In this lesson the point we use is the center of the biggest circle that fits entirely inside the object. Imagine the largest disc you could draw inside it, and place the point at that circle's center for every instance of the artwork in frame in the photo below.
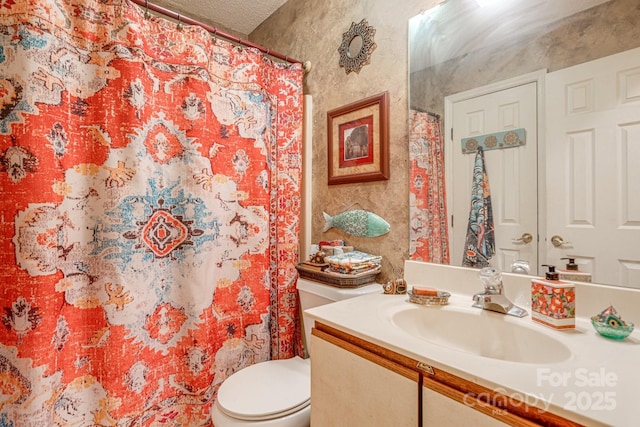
(358, 141)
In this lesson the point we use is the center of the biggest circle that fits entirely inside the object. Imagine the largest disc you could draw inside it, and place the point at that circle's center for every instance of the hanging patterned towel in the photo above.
(480, 243)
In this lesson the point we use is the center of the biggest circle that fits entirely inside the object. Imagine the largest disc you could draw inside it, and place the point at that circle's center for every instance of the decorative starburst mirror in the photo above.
(357, 45)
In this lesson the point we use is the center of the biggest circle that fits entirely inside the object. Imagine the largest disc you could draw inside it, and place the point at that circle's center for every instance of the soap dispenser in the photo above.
(553, 301)
(573, 273)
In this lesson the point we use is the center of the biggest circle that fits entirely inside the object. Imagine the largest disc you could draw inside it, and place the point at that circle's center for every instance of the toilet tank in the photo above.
(313, 294)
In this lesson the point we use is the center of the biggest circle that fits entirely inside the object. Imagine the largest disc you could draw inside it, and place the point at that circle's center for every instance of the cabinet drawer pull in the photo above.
(426, 368)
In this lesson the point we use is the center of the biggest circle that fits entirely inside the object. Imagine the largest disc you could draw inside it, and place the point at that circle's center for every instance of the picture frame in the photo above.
(358, 141)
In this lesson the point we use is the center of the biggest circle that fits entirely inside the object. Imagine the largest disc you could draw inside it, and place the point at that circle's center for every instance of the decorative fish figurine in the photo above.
(357, 222)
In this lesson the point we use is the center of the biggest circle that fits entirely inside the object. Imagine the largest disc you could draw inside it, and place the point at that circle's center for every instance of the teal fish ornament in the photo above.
(357, 222)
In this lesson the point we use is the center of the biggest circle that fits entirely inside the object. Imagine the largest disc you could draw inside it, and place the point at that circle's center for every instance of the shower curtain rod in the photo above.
(306, 66)
(435, 115)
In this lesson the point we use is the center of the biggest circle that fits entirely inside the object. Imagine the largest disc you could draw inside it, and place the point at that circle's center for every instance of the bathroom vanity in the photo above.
(379, 360)
(362, 383)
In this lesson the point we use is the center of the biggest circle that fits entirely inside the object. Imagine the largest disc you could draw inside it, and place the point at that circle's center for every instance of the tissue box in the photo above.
(553, 303)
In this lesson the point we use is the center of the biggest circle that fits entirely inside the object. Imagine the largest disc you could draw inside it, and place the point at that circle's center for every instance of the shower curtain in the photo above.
(150, 180)
(428, 232)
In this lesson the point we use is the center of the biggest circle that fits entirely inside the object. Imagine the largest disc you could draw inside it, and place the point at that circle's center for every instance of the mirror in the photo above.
(357, 46)
(461, 45)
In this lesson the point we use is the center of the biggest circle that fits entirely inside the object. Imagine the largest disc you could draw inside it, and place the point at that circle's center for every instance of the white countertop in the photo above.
(597, 385)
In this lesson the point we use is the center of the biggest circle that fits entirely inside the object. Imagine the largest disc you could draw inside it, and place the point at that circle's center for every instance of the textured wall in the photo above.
(311, 30)
(600, 31)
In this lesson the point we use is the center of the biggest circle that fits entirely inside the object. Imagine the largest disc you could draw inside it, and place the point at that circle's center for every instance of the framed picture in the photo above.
(358, 137)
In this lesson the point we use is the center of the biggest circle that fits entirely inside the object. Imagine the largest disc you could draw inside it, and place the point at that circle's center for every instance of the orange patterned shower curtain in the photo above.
(428, 231)
(149, 216)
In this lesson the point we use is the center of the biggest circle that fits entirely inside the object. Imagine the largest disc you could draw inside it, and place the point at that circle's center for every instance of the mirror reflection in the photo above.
(355, 46)
(565, 75)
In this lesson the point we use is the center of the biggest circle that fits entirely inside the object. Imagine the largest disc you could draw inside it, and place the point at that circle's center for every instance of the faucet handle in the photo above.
(491, 278)
(495, 288)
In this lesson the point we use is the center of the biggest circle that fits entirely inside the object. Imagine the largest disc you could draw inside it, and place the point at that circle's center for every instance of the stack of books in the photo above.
(315, 266)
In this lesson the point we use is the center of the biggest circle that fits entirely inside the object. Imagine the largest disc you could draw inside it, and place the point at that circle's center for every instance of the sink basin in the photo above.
(481, 333)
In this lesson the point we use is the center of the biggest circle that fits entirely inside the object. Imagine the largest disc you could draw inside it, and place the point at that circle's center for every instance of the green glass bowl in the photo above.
(607, 331)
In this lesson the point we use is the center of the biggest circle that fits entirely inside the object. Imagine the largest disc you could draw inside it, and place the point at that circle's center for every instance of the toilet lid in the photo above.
(266, 390)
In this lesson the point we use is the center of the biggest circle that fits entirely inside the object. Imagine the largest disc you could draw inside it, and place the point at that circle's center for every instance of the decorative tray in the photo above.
(338, 279)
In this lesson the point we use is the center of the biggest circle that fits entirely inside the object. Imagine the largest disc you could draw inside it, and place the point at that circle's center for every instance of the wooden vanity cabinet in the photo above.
(440, 410)
(358, 383)
(358, 388)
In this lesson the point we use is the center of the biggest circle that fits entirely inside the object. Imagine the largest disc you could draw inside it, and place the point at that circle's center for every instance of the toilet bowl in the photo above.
(272, 393)
(277, 393)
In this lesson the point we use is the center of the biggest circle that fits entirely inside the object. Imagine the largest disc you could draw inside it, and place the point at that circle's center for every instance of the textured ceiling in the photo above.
(240, 17)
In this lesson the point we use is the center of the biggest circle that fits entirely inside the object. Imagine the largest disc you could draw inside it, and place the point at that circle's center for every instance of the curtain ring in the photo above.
(214, 39)
(179, 23)
(147, 15)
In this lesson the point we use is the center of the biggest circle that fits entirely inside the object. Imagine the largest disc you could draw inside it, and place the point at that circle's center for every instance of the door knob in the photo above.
(525, 238)
(558, 241)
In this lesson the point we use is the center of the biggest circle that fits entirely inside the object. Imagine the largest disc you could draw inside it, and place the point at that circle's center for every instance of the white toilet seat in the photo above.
(276, 388)
(278, 393)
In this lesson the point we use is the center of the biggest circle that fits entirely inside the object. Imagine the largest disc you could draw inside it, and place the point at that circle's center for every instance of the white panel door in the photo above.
(512, 172)
(593, 167)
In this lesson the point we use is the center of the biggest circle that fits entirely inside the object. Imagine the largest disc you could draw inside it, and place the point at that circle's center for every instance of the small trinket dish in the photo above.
(395, 287)
(610, 325)
(440, 298)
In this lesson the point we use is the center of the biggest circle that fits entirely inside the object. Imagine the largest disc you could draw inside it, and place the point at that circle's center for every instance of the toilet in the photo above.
(277, 393)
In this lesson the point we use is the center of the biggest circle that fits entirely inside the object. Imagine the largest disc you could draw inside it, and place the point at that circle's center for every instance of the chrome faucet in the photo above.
(493, 297)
